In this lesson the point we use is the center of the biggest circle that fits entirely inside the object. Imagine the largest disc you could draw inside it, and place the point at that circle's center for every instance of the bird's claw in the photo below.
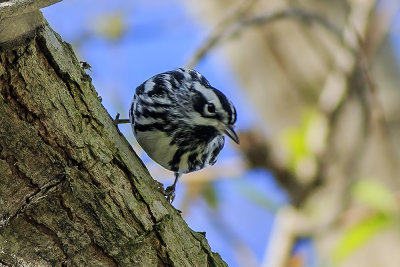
(170, 193)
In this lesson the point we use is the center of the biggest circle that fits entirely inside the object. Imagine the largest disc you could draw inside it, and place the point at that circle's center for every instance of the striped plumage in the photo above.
(180, 120)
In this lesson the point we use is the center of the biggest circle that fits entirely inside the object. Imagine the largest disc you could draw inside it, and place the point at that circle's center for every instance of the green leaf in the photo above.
(359, 235)
(296, 140)
(111, 26)
(376, 195)
(210, 195)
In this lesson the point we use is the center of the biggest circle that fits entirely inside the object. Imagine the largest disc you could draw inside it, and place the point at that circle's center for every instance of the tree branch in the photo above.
(235, 25)
(17, 7)
(231, 18)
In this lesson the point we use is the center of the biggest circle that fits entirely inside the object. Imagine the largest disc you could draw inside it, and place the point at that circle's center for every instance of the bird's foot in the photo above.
(170, 193)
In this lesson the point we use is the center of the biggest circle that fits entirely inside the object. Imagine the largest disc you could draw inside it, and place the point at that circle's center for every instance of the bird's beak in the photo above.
(231, 133)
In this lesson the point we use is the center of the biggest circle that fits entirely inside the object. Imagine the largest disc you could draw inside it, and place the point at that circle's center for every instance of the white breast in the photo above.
(157, 145)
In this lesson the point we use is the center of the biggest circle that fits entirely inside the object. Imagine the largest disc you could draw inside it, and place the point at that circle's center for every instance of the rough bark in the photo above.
(72, 190)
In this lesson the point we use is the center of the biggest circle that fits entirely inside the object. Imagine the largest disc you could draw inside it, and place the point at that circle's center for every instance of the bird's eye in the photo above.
(209, 109)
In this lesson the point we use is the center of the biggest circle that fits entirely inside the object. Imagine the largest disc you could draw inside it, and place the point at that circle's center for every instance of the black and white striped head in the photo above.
(210, 107)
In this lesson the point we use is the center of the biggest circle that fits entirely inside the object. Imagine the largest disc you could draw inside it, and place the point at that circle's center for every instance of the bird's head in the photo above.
(210, 107)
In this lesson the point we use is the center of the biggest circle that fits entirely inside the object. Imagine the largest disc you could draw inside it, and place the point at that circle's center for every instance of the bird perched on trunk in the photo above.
(180, 121)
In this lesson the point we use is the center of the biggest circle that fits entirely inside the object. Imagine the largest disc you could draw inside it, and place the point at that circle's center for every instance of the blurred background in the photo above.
(315, 180)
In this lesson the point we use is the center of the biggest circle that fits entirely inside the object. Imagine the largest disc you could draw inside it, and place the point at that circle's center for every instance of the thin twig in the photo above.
(117, 120)
(238, 23)
(301, 15)
(238, 13)
(376, 108)
(377, 117)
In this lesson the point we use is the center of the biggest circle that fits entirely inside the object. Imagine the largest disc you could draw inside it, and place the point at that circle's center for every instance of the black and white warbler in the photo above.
(180, 120)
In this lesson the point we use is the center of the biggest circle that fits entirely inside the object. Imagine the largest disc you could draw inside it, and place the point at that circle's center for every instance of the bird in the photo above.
(180, 121)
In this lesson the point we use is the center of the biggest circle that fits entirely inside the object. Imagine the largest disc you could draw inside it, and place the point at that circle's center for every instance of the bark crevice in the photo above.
(47, 231)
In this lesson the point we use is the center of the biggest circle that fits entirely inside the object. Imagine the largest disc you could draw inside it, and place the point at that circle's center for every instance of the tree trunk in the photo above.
(72, 190)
